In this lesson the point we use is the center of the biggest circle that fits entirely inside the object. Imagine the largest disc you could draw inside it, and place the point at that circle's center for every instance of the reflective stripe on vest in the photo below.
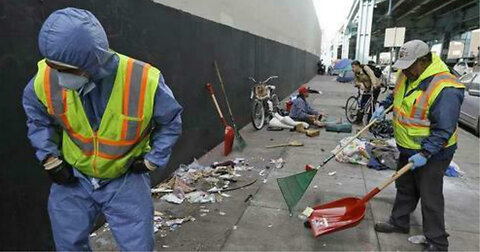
(133, 102)
(417, 117)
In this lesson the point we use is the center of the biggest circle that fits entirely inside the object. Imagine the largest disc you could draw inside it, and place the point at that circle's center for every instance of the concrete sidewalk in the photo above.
(263, 221)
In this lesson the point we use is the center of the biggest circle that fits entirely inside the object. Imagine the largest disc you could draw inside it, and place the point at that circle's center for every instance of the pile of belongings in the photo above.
(383, 154)
(378, 154)
(201, 184)
(354, 152)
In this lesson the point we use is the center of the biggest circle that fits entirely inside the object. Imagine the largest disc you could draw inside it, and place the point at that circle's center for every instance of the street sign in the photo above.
(394, 37)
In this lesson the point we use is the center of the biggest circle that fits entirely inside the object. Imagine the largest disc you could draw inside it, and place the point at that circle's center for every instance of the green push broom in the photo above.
(293, 187)
(238, 144)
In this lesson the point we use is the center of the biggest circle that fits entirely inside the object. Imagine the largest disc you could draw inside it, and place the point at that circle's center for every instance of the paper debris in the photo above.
(262, 172)
(222, 213)
(278, 163)
(172, 198)
(332, 173)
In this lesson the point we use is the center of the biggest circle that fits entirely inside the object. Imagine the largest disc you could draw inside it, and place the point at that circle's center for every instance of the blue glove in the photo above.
(418, 160)
(378, 114)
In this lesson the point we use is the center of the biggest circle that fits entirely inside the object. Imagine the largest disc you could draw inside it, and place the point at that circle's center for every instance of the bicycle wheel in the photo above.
(258, 114)
(351, 109)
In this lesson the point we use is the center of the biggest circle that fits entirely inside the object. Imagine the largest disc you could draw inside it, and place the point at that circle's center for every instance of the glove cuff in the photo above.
(150, 166)
(53, 163)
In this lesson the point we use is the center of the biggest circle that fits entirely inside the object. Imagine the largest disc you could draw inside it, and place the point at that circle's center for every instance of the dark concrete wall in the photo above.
(181, 45)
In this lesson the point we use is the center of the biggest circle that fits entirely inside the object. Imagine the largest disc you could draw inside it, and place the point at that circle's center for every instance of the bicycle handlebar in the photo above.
(269, 78)
(263, 82)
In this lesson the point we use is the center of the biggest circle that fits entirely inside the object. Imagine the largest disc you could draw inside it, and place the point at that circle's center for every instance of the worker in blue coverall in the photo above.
(302, 111)
(75, 46)
(426, 106)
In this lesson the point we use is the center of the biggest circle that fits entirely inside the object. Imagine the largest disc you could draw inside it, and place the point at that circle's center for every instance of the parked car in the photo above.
(470, 111)
(464, 66)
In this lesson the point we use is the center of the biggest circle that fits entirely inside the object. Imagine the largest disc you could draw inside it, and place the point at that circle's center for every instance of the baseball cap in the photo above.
(303, 89)
(410, 52)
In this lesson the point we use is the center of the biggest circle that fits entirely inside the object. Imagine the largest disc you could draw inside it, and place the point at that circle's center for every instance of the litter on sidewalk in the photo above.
(418, 239)
(278, 163)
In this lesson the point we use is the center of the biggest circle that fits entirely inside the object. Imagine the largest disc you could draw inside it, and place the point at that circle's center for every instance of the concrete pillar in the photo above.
(364, 30)
(445, 46)
(346, 43)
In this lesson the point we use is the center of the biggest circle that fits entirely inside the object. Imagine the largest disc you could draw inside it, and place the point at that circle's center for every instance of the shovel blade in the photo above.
(228, 140)
(336, 216)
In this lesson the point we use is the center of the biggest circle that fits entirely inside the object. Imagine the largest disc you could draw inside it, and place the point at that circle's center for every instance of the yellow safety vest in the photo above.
(125, 126)
(410, 114)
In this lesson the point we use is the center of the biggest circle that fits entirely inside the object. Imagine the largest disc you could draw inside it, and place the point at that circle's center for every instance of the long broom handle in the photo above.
(224, 93)
(277, 145)
(210, 90)
(353, 138)
(387, 182)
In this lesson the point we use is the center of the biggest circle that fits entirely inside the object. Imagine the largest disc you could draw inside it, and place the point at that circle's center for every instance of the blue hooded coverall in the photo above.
(76, 37)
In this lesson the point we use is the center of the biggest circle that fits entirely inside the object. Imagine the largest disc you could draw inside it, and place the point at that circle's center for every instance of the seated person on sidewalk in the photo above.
(301, 110)
(366, 80)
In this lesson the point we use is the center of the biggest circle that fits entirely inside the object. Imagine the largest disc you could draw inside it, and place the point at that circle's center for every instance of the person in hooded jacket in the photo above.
(99, 122)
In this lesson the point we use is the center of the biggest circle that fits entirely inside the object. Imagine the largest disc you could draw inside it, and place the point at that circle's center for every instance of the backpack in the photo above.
(376, 70)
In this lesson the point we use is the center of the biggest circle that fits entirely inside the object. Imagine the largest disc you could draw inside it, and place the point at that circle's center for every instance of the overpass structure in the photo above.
(433, 21)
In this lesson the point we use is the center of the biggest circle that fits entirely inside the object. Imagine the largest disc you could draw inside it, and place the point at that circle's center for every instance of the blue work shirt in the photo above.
(45, 134)
(301, 109)
(443, 116)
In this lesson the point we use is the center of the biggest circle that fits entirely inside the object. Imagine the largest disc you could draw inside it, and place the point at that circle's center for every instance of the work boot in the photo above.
(387, 227)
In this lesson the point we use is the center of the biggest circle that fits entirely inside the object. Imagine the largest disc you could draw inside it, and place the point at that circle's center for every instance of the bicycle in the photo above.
(264, 102)
(353, 107)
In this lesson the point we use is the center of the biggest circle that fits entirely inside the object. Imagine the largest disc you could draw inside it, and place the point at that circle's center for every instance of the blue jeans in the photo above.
(126, 203)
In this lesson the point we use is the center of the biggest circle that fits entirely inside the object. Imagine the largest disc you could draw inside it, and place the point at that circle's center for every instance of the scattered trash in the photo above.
(324, 245)
(203, 214)
(278, 163)
(163, 235)
(265, 181)
(93, 234)
(315, 187)
(205, 210)
(262, 172)
(248, 198)
(165, 246)
(235, 227)
(222, 213)
(270, 225)
(200, 197)
(332, 173)
(417, 239)
(172, 198)
(338, 183)
(322, 149)
(225, 195)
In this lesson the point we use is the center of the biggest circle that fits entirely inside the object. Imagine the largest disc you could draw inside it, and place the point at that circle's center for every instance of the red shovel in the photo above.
(229, 134)
(346, 212)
